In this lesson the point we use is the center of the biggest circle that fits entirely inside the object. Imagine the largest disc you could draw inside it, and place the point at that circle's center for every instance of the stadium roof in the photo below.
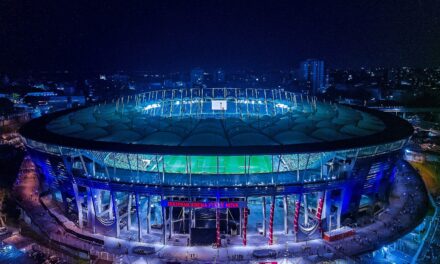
(329, 127)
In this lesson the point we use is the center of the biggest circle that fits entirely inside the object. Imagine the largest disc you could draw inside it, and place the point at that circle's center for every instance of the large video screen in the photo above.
(219, 105)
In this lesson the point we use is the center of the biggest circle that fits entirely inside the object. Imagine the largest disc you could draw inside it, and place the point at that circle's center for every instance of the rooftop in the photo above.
(133, 126)
(195, 124)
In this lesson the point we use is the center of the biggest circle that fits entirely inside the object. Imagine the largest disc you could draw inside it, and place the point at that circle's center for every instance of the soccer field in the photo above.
(227, 164)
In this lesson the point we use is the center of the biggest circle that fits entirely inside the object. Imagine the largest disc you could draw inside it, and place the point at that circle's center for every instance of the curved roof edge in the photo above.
(395, 129)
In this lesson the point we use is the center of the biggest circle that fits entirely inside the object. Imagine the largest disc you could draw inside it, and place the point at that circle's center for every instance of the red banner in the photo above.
(272, 212)
(296, 216)
(319, 212)
(167, 203)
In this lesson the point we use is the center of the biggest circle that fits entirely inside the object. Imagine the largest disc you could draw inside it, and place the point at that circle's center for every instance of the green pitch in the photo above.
(227, 164)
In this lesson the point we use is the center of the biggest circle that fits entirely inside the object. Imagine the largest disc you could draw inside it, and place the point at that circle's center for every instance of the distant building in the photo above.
(41, 94)
(54, 101)
(219, 76)
(168, 83)
(119, 77)
(414, 156)
(196, 77)
(313, 75)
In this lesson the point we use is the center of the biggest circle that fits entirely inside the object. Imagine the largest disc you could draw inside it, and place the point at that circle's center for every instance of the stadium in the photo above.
(215, 166)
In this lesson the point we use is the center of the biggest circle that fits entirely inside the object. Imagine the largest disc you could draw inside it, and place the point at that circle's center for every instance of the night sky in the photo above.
(179, 35)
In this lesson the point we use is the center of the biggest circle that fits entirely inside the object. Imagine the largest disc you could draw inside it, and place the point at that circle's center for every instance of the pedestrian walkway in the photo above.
(407, 208)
